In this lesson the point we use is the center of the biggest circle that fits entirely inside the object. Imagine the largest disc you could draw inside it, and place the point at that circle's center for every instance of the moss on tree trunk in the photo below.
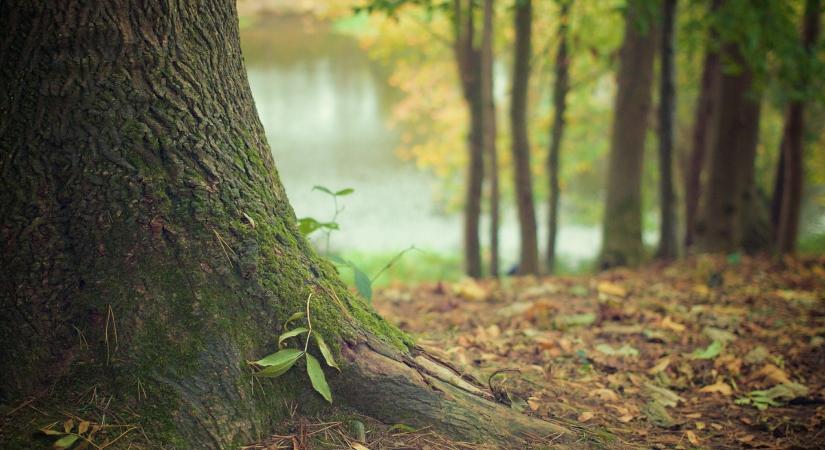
(149, 249)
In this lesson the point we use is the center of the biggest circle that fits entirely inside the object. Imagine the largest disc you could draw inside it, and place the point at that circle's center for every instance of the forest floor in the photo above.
(708, 352)
(705, 353)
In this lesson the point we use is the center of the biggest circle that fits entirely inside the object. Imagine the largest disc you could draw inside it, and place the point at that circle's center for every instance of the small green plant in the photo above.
(363, 282)
(309, 225)
(279, 363)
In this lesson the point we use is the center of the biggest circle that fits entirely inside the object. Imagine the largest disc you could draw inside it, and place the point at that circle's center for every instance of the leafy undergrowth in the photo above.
(705, 353)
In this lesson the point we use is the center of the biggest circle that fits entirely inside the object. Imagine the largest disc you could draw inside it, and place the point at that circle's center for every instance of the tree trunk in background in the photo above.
(703, 122)
(730, 192)
(560, 87)
(468, 58)
(667, 111)
(149, 250)
(529, 257)
(489, 133)
(793, 136)
(622, 232)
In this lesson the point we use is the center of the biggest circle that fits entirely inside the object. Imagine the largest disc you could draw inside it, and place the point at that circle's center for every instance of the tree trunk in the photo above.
(667, 110)
(149, 249)
(468, 59)
(489, 133)
(560, 87)
(622, 233)
(529, 257)
(730, 193)
(702, 132)
(793, 142)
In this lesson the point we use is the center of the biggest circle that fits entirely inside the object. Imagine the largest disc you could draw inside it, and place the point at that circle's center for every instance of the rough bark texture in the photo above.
(561, 85)
(529, 256)
(792, 149)
(149, 249)
(728, 204)
(703, 123)
(622, 232)
(468, 59)
(489, 133)
(668, 248)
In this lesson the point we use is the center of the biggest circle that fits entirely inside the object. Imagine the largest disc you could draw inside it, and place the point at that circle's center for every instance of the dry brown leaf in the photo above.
(585, 416)
(607, 288)
(692, 438)
(605, 394)
(625, 418)
(719, 387)
(534, 403)
(700, 425)
(772, 373)
(661, 365)
(669, 324)
(357, 446)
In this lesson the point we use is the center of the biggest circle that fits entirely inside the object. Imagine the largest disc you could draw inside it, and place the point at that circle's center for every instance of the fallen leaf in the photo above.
(605, 394)
(772, 373)
(585, 416)
(357, 446)
(718, 387)
(608, 288)
(533, 403)
(661, 365)
(669, 324)
(692, 438)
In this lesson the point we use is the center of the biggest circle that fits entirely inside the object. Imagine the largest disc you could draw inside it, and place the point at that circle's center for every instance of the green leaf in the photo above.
(402, 427)
(363, 284)
(711, 352)
(322, 189)
(317, 377)
(291, 333)
(624, 350)
(294, 317)
(66, 441)
(330, 225)
(338, 260)
(278, 363)
(344, 192)
(52, 432)
(325, 351)
(308, 225)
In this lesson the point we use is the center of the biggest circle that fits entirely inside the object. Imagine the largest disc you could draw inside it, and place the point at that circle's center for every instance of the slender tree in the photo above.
(667, 110)
(622, 232)
(792, 147)
(703, 121)
(149, 250)
(468, 62)
(489, 133)
(730, 193)
(529, 256)
(561, 85)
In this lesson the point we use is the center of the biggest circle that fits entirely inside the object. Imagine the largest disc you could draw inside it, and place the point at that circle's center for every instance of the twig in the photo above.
(309, 323)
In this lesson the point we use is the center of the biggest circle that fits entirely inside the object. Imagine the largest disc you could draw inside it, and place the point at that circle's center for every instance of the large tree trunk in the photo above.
(149, 250)
(703, 123)
(529, 256)
(622, 232)
(792, 148)
(667, 111)
(468, 59)
(730, 194)
(560, 87)
(489, 133)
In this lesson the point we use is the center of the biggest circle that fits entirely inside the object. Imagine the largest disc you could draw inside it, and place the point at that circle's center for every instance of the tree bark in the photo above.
(489, 133)
(529, 256)
(468, 59)
(560, 87)
(149, 249)
(668, 248)
(730, 194)
(792, 149)
(622, 232)
(702, 132)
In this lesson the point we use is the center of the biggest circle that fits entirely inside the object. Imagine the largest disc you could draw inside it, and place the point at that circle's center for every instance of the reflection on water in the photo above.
(325, 108)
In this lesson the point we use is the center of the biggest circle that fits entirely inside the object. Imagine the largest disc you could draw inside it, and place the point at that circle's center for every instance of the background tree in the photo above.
(561, 85)
(468, 61)
(149, 249)
(667, 111)
(792, 146)
(622, 230)
(489, 133)
(529, 256)
(703, 121)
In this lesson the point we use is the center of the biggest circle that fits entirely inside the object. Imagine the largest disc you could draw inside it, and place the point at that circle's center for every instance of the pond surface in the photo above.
(326, 108)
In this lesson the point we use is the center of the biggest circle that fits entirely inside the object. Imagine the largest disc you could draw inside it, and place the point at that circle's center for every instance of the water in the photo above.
(325, 107)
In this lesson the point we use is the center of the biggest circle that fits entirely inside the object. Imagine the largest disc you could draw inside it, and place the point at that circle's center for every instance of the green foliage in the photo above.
(317, 378)
(775, 396)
